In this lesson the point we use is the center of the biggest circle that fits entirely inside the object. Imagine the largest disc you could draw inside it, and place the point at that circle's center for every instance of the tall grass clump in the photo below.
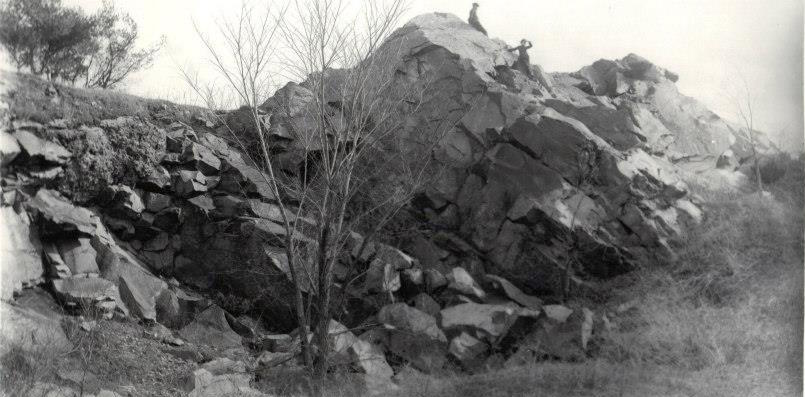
(732, 301)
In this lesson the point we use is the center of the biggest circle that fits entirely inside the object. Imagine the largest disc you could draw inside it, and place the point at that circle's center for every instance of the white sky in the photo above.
(707, 42)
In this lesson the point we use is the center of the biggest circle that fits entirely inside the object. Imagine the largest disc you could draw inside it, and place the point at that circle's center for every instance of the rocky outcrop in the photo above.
(543, 185)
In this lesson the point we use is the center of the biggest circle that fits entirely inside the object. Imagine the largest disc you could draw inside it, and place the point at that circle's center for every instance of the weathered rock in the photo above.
(414, 336)
(157, 180)
(156, 202)
(139, 288)
(460, 280)
(369, 358)
(382, 277)
(202, 157)
(35, 331)
(467, 349)
(566, 340)
(59, 217)
(85, 292)
(493, 320)
(514, 293)
(226, 381)
(189, 183)
(434, 279)
(40, 150)
(426, 304)
(21, 252)
(168, 219)
(403, 317)
(78, 255)
(241, 178)
(55, 265)
(211, 328)
(9, 148)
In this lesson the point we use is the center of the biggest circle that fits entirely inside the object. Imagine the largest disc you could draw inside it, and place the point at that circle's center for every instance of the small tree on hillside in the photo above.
(744, 103)
(47, 38)
(62, 43)
(117, 55)
(365, 136)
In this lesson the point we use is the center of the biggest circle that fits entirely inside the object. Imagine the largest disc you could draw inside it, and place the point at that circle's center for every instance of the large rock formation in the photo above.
(543, 184)
(563, 170)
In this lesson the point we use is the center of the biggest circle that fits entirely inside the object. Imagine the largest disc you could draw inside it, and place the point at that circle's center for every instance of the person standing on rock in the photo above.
(473, 20)
(523, 62)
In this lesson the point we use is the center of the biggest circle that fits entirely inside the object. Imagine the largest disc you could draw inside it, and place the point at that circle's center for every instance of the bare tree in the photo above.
(744, 103)
(358, 125)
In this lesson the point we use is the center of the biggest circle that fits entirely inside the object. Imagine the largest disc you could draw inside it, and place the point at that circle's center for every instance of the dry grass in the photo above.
(28, 100)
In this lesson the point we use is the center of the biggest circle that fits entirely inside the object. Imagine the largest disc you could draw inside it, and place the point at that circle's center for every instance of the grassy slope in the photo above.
(726, 320)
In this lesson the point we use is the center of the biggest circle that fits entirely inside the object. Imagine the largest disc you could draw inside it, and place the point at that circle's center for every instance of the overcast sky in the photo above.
(707, 42)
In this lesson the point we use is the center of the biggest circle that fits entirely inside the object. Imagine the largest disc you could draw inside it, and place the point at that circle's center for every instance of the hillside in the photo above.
(579, 225)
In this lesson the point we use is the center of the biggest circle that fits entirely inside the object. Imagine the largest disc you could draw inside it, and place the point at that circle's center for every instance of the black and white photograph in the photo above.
(402, 198)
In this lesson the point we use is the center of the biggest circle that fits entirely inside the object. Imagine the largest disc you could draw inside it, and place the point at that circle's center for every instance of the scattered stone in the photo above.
(426, 304)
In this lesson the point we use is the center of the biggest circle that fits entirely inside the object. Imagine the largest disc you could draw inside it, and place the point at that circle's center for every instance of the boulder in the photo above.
(157, 180)
(241, 178)
(467, 350)
(139, 289)
(57, 216)
(21, 250)
(124, 202)
(493, 321)
(35, 331)
(155, 202)
(434, 280)
(382, 277)
(211, 327)
(78, 255)
(565, 340)
(514, 293)
(414, 336)
(9, 148)
(426, 304)
(370, 360)
(461, 281)
(201, 157)
(40, 150)
(406, 318)
(188, 183)
(55, 265)
(86, 292)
